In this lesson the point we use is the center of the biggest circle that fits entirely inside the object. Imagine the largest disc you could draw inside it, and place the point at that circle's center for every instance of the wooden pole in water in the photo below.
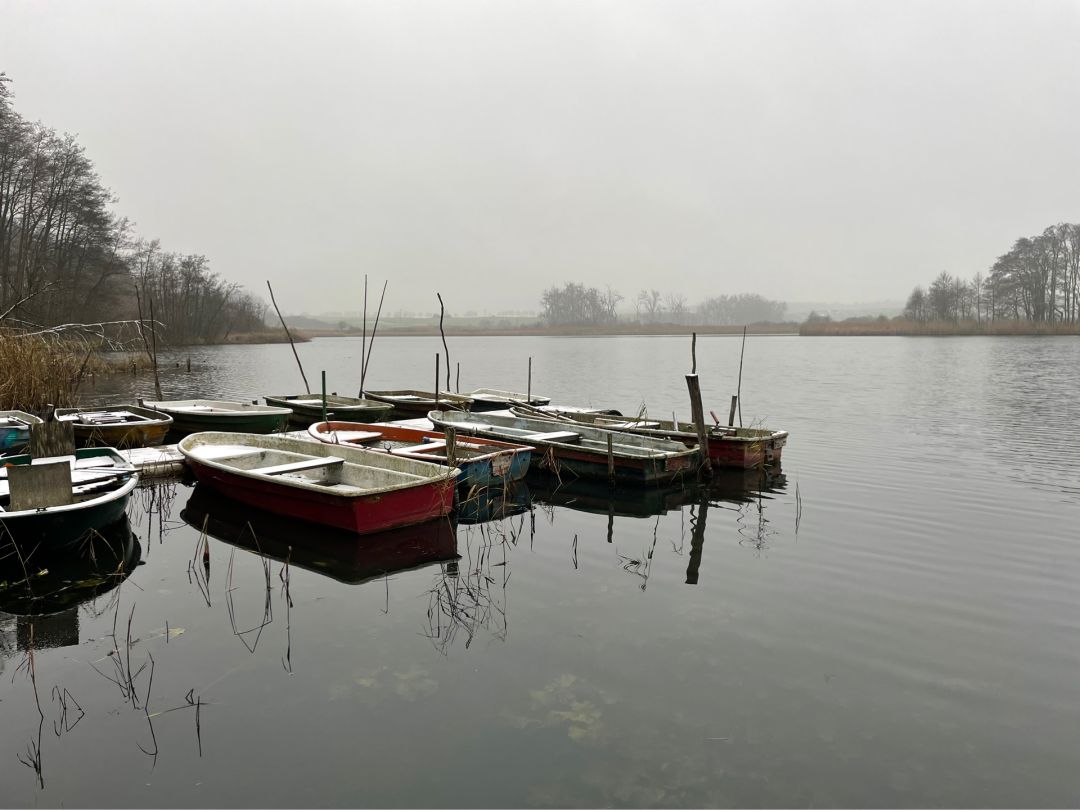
(436, 381)
(693, 353)
(451, 446)
(610, 461)
(363, 340)
(738, 389)
(153, 338)
(442, 311)
(457, 379)
(528, 389)
(374, 329)
(731, 413)
(324, 395)
(697, 413)
(307, 387)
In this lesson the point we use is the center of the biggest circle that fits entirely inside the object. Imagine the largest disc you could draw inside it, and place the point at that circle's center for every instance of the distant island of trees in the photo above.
(575, 304)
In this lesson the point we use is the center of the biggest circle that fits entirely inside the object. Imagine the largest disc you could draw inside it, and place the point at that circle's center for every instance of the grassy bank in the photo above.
(567, 331)
(857, 328)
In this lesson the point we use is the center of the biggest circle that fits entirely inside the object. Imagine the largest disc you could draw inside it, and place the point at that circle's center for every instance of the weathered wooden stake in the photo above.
(697, 413)
(189, 365)
(436, 381)
(363, 340)
(307, 387)
(324, 395)
(153, 337)
(451, 446)
(731, 413)
(738, 389)
(693, 353)
(457, 379)
(528, 389)
(442, 311)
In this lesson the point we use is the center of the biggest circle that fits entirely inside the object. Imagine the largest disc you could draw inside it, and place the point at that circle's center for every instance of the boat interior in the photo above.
(325, 472)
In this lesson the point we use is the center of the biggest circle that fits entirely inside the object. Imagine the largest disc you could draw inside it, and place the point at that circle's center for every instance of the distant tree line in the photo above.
(1038, 280)
(576, 304)
(65, 257)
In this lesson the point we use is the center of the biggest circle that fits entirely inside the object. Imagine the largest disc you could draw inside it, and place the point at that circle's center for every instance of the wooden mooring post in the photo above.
(697, 414)
(731, 413)
(436, 381)
(451, 446)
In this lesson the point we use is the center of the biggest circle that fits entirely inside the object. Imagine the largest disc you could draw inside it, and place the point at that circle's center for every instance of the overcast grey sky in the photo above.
(802, 150)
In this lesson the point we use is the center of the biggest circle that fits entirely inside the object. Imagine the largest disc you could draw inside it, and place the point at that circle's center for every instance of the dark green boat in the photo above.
(308, 408)
(198, 415)
(95, 495)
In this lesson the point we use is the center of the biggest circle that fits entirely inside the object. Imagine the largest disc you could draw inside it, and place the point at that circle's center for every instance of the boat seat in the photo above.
(297, 466)
(566, 436)
(423, 447)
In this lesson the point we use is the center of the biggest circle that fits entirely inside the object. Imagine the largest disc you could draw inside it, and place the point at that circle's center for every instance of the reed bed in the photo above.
(40, 370)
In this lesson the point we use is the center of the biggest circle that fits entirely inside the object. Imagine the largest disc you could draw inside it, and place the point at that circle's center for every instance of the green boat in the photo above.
(308, 408)
(197, 415)
(94, 495)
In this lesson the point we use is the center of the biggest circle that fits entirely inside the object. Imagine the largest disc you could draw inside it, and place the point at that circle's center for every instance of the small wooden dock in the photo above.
(155, 463)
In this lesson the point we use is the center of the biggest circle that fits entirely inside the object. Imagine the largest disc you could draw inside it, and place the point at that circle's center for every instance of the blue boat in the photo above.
(15, 430)
(483, 462)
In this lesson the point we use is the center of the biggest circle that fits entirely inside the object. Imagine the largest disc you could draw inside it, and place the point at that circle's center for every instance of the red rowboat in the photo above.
(357, 490)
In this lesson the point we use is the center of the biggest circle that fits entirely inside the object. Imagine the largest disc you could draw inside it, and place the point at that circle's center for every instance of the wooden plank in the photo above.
(567, 436)
(35, 486)
(52, 437)
(296, 466)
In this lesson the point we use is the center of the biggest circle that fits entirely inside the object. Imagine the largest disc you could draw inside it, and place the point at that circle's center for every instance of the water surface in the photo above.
(894, 620)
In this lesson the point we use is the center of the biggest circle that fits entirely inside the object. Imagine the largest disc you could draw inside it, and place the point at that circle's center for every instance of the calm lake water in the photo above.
(893, 621)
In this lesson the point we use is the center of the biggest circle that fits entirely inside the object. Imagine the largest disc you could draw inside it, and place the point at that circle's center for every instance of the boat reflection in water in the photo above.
(598, 497)
(40, 596)
(484, 504)
(335, 553)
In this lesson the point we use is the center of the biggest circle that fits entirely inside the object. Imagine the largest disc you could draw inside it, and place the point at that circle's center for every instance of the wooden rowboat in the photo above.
(360, 491)
(493, 399)
(412, 403)
(54, 502)
(738, 447)
(579, 449)
(483, 462)
(117, 425)
(193, 415)
(308, 408)
(15, 429)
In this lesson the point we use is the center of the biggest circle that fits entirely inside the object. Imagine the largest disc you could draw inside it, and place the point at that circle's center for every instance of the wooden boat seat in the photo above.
(423, 447)
(565, 436)
(297, 466)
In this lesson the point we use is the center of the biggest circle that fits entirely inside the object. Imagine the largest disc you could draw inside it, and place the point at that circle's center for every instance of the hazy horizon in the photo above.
(841, 151)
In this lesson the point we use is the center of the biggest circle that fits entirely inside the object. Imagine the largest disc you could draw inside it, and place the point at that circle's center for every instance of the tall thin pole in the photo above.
(738, 390)
(363, 340)
(528, 390)
(442, 311)
(374, 329)
(289, 336)
(324, 395)
(153, 337)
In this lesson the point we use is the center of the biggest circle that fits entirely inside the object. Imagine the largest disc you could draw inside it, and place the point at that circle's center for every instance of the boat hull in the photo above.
(414, 404)
(508, 463)
(122, 436)
(648, 464)
(304, 414)
(261, 423)
(362, 514)
(61, 529)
